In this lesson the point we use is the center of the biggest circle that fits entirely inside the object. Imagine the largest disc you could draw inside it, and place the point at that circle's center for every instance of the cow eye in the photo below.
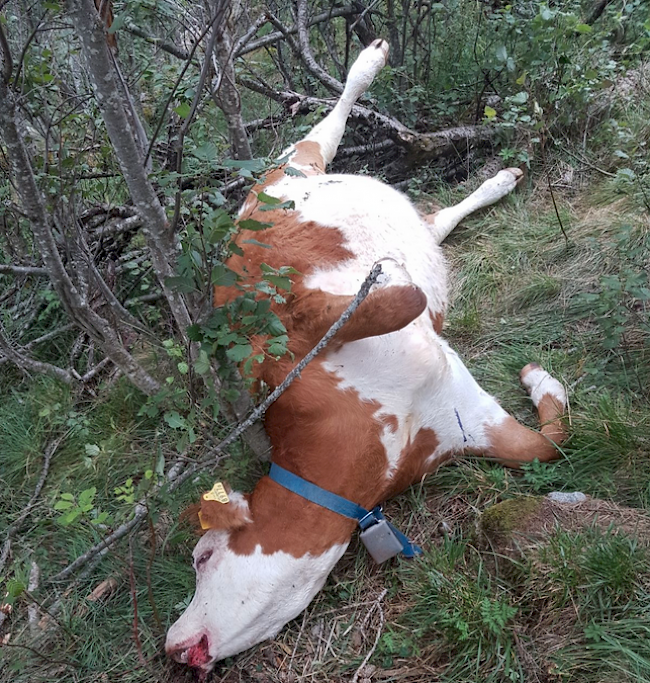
(203, 559)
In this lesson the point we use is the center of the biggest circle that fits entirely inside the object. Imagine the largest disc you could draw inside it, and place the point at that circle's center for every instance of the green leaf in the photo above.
(520, 98)
(92, 449)
(239, 352)
(252, 165)
(205, 152)
(174, 419)
(502, 53)
(268, 199)
(257, 244)
(67, 496)
(202, 363)
(183, 110)
(289, 204)
(489, 112)
(86, 497)
(63, 505)
(181, 284)
(195, 333)
(183, 368)
(280, 282)
(118, 21)
(251, 224)
(222, 276)
(584, 28)
(290, 171)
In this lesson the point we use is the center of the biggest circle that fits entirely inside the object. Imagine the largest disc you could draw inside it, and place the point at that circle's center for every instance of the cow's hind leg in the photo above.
(317, 149)
(513, 444)
(491, 191)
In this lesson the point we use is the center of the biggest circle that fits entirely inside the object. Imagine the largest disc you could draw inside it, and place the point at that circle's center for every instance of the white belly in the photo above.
(376, 222)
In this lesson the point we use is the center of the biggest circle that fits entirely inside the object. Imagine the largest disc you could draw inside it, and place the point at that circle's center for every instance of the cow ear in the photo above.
(221, 508)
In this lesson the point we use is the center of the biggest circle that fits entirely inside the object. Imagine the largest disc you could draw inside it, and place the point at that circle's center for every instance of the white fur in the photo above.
(539, 383)
(241, 600)
(329, 131)
(416, 377)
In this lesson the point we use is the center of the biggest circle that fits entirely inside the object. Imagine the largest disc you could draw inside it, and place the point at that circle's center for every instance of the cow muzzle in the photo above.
(195, 655)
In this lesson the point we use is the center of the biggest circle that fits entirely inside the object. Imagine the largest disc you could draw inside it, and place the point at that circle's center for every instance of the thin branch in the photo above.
(280, 35)
(8, 65)
(158, 42)
(26, 364)
(43, 338)
(8, 269)
(305, 52)
(15, 525)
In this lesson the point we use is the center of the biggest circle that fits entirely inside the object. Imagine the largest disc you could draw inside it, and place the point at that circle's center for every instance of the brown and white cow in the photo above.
(385, 404)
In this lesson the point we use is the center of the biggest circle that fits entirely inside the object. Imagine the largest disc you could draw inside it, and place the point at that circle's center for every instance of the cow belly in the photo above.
(423, 388)
(376, 222)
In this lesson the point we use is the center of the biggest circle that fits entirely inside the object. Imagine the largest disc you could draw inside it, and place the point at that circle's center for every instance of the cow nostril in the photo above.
(196, 655)
(179, 656)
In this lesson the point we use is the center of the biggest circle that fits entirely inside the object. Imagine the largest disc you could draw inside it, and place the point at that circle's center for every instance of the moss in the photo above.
(510, 515)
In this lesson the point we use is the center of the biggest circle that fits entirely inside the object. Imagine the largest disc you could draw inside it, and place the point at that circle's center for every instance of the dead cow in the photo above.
(385, 404)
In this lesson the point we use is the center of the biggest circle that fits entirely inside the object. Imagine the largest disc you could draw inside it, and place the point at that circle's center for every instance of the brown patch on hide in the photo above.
(309, 157)
(437, 320)
(513, 444)
(385, 310)
(330, 437)
(390, 421)
(412, 461)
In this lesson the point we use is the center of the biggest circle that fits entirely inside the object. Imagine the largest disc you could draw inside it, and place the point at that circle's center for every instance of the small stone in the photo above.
(567, 497)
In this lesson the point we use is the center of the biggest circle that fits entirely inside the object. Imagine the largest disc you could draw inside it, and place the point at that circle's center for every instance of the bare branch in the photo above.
(305, 51)
(227, 94)
(27, 364)
(157, 42)
(280, 35)
(156, 229)
(7, 268)
(15, 525)
(421, 146)
(41, 223)
(8, 65)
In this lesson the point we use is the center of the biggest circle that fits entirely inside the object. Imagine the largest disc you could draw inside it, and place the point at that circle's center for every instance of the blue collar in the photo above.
(340, 505)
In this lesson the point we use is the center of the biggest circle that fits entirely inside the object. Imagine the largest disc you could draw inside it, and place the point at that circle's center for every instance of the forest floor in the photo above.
(511, 587)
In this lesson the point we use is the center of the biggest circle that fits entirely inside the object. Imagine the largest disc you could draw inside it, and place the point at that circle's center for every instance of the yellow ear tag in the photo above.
(204, 525)
(218, 493)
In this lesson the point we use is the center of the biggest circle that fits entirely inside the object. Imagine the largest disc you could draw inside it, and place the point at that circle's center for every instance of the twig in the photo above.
(366, 659)
(9, 269)
(557, 213)
(15, 525)
(306, 54)
(134, 599)
(32, 609)
(279, 35)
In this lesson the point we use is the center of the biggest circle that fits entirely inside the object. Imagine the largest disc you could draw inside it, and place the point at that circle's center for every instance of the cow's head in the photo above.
(244, 593)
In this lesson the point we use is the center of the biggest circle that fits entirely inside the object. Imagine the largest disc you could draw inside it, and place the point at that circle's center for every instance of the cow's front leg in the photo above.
(444, 221)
